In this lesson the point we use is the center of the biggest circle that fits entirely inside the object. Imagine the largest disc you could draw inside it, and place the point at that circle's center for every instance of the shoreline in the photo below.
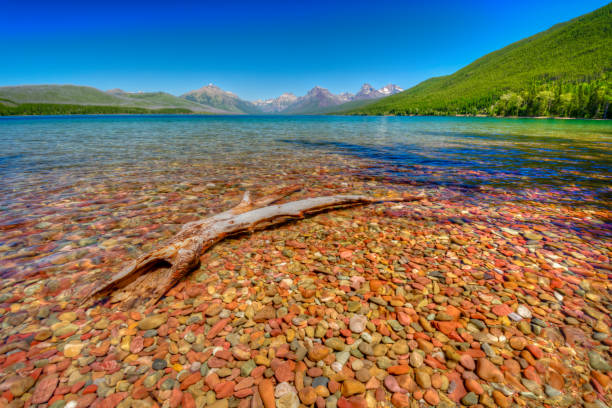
(306, 115)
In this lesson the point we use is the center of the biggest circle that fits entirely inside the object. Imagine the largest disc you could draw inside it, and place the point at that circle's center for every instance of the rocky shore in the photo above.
(447, 302)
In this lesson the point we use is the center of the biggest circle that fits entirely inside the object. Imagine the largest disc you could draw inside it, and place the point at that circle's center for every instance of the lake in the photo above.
(72, 183)
(504, 259)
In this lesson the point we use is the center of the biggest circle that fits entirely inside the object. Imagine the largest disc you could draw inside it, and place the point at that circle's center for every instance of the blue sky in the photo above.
(259, 50)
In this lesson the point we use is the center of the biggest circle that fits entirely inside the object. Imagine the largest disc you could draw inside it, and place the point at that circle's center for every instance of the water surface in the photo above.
(80, 195)
(570, 157)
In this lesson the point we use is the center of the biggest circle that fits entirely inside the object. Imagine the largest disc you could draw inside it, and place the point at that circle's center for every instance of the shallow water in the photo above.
(573, 156)
(70, 184)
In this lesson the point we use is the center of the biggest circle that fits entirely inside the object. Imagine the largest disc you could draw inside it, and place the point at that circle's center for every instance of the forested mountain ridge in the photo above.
(563, 71)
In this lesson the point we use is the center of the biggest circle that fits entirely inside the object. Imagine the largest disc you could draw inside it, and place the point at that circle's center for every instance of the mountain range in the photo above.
(317, 100)
(208, 99)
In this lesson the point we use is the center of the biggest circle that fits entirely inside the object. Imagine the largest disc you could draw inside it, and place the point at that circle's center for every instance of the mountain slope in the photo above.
(72, 94)
(320, 101)
(275, 105)
(563, 70)
(367, 91)
(345, 107)
(313, 101)
(88, 97)
(216, 97)
(160, 100)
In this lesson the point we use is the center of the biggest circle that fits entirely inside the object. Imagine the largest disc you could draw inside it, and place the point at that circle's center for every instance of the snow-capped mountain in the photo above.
(367, 91)
(276, 104)
(318, 99)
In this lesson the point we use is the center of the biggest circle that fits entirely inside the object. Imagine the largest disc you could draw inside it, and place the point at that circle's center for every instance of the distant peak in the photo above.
(211, 88)
(390, 89)
(318, 89)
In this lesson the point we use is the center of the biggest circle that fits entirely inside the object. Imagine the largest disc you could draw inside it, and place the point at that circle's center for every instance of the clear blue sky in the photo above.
(259, 50)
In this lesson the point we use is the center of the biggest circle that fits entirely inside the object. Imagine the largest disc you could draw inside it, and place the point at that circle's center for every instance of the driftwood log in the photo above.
(151, 276)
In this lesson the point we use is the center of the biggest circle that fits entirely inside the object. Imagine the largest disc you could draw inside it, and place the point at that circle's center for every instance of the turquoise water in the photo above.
(569, 156)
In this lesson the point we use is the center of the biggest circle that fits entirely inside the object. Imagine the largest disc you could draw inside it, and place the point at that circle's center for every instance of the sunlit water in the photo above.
(70, 184)
(566, 155)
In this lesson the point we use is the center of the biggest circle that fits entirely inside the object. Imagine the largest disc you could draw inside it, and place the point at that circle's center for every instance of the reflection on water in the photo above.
(477, 159)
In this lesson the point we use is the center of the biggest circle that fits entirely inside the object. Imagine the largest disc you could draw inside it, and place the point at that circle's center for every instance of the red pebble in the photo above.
(224, 389)
(175, 398)
(90, 389)
(535, 351)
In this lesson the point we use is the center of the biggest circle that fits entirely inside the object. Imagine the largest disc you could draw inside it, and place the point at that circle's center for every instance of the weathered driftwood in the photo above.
(146, 280)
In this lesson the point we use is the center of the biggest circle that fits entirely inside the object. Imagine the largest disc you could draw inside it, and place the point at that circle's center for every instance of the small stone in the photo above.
(422, 378)
(72, 350)
(395, 325)
(400, 400)
(470, 399)
(474, 386)
(407, 383)
(532, 236)
(488, 371)
(44, 389)
(501, 400)
(518, 342)
(391, 384)
(467, 361)
(552, 392)
(523, 311)
(363, 375)
(515, 317)
(307, 395)
(501, 310)
(247, 367)
(265, 314)
(318, 352)
(43, 334)
(284, 388)
(21, 385)
(352, 387)
(597, 362)
(416, 359)
(289, 400)
(400, 347)
(357, 323)
(213, 310)
(284, 372)
(159, 364)
(67, 317)
(66, 330)
(335, 344)
(152, 322)
(431, 397)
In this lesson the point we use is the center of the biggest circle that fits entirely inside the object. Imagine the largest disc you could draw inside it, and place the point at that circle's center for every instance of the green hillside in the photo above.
(212, 95)
(563, 71)
(347, 107)
(45, 99)
(162, 100)
(233, 105)
(81, 95)
(69, 109)
(314, 109)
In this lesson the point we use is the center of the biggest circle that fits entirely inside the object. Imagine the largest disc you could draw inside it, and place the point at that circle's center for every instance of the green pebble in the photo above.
(247, 367)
